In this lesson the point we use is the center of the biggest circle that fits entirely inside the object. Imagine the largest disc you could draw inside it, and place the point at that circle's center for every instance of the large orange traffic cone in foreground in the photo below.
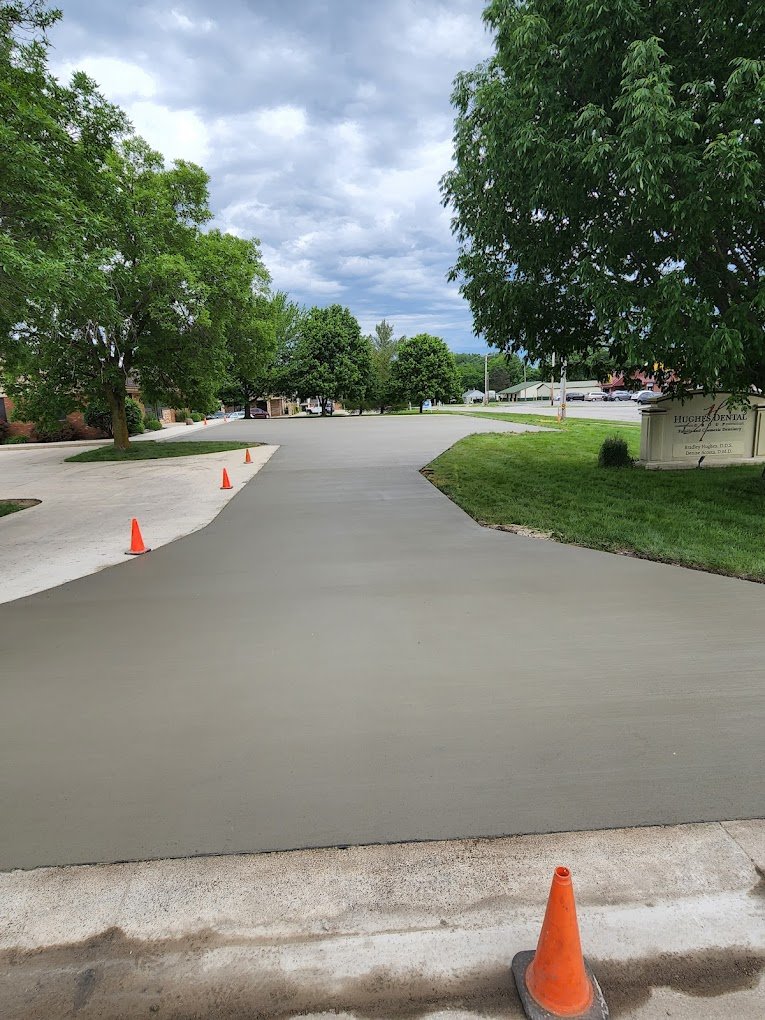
(136, 541)
(226, 483)
(247, 457)
(556, 981)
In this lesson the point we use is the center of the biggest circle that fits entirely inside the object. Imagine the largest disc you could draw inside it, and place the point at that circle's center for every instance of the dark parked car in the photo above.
(620, 395)
(573, 395)
(258, 412)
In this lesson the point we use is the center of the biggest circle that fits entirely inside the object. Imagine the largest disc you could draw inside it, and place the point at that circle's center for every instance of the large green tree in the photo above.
(424, 369)
(330, 359)
(241, 287)
(105, 273)
(144, 295)
(609, 185)
(384, 347)
(54, 139)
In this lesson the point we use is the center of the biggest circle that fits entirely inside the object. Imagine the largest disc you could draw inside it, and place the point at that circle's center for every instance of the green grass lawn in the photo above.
(711, 519)
(10, 506)
(151, 450)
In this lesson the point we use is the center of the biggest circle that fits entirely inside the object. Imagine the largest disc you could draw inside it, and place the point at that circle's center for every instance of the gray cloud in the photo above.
(325, 127)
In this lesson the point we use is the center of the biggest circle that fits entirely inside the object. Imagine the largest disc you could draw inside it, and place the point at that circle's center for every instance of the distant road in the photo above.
(617, 410)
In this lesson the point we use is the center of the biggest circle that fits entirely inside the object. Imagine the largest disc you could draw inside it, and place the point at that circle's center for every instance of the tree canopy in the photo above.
(105, 271)
(384, 348)
(424, 369)
(609, 186)
(331, 360)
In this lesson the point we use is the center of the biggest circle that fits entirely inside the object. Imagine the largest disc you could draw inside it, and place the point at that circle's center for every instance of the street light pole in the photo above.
(486, 379)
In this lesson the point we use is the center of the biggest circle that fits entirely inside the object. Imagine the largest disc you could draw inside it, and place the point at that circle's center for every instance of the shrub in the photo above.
(5, 428)
(61, 432)
(153, 424)
(16, 440)
(99, 416)
(196, 416)
(614, 453)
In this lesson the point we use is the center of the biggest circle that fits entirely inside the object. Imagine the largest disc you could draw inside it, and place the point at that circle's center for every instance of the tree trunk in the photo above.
(421, 403)
(120, 432)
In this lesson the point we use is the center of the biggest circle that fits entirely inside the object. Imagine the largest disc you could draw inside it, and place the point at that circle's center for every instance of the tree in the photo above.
(384, 348)
(241, 286)
(328, 361)
(53, 142)
(105, 272)
(287, 318)
(145, 294)
(425, 370)
(609, 184)
(504, 370)
(469, 371)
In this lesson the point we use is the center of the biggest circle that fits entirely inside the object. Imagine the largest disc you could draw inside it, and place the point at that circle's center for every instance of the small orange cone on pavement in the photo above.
(204, 420)
(136, 541)
(556, 981)
(226, 483)
(247, 458)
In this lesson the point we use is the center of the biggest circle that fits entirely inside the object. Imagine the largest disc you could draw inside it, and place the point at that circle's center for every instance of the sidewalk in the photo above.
(671, 920)
(83, 521)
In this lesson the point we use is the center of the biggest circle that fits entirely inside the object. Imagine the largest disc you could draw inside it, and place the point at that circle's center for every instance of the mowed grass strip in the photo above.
(10, 506)
(711, 519)
(152, 450)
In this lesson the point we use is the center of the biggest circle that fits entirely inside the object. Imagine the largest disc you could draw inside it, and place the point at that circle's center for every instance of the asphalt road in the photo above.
(600, 410)
(343, 656)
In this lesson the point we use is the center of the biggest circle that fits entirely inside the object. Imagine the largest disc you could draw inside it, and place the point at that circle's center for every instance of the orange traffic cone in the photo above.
(137, 548)
(247, 457)
(556, 980)
(226, 484)
(204, 420)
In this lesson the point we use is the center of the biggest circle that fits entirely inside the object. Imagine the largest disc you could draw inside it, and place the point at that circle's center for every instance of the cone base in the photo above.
(140, 552)
(598, 1009)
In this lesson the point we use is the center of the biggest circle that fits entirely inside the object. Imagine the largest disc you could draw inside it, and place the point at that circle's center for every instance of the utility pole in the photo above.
(486, 379)
(552, 382)
(562, 409)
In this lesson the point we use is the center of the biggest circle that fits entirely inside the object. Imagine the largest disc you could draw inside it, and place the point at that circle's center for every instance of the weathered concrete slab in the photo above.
(672, 920)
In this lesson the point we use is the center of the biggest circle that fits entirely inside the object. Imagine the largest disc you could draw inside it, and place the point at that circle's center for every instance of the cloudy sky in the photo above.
(325, 126)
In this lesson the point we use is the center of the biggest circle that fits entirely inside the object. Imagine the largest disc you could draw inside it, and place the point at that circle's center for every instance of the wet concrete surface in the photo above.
(343, 656)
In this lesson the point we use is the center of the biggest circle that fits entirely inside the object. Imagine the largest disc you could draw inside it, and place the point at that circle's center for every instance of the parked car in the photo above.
(258, 412)
(644, 396)
(573, 395)
(595, 395)
(235, 415)
(618, 395)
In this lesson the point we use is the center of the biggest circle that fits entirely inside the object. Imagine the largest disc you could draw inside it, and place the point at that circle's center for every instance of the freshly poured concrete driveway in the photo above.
(343, 656)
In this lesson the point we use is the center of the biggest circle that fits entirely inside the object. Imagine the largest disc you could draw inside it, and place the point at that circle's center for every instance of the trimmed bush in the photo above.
(16, 440)
(99, 416)
(61, 432)
(614, 453)
(196, 416)
(153, 424)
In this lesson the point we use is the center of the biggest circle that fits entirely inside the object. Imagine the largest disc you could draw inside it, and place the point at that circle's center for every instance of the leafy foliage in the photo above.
(609, 186)
(105, 272)
(331, 360)
(425, 370)
(98, 415)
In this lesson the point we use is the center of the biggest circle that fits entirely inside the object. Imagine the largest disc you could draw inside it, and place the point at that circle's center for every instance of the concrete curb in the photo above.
(671, 920)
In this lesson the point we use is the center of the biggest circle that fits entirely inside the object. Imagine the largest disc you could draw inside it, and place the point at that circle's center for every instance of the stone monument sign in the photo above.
(717, 428)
